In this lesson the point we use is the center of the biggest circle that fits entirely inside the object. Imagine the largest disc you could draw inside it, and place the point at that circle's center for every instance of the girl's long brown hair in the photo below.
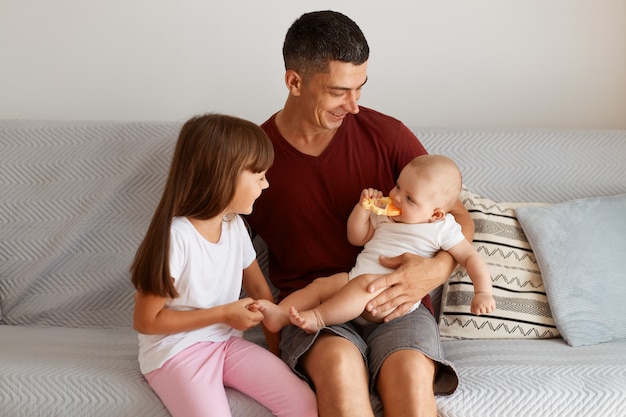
(211, 152)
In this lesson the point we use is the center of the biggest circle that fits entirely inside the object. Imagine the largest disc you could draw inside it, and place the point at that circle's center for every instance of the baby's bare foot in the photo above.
(308, 320)
(274, 318)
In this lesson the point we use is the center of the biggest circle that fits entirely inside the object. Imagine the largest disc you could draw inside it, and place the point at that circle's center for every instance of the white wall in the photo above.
(490, 63)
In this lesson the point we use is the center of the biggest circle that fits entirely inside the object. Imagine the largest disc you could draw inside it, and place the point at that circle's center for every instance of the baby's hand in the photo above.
(370, 193)
(482, 303)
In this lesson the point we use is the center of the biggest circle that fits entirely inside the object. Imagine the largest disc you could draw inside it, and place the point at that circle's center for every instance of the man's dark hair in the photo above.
(317, 38)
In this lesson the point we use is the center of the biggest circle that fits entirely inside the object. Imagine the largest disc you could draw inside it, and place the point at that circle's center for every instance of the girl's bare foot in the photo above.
(309, 320)
(274, 317)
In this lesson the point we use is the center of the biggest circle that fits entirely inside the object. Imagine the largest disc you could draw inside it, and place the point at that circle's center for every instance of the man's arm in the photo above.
(414, 275)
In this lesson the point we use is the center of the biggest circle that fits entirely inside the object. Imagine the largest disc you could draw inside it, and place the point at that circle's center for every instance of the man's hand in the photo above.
(413, 278)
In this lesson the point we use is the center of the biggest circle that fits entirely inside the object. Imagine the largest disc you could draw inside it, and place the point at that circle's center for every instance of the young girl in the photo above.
(188, 275)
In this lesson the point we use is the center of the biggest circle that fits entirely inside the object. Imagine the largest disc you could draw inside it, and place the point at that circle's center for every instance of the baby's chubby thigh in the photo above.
(360, 286)
(326, 287)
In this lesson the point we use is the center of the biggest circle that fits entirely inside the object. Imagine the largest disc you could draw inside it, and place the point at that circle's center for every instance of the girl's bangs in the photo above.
(262, 156)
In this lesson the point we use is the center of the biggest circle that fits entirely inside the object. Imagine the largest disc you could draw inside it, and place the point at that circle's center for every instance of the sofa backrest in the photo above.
(534, 165)
(75, 201)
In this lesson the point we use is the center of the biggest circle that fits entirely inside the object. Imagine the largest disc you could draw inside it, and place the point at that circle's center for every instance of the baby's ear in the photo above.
(438, 214)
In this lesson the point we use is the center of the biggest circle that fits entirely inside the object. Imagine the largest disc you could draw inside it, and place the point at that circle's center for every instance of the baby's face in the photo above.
(415, 195)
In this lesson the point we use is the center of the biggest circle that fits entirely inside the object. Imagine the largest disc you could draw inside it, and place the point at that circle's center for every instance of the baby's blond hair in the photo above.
(444, 172)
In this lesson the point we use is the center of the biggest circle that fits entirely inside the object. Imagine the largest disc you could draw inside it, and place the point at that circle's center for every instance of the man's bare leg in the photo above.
(406, 385)
(341, 380)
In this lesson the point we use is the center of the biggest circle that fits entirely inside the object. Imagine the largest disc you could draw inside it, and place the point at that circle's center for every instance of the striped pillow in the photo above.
(522, 310)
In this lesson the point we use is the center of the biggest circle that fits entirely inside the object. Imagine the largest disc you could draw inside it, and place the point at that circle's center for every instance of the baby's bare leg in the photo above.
(308, 320)
(277, 316)
(318, 291)
(347, 304)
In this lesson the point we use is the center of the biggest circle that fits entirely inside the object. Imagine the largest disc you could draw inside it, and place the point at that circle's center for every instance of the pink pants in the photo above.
(192, 383)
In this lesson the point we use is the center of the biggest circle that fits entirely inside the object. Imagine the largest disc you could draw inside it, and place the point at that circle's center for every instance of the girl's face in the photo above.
(249, 187)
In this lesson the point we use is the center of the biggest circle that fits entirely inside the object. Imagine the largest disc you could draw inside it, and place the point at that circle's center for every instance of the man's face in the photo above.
(330, 96)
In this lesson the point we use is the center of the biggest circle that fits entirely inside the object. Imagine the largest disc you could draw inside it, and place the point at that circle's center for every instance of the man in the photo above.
(328, 149)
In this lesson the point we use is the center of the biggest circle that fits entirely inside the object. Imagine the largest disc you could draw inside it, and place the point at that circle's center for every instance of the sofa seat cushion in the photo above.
(61, 372)
(535, 377)
(58, 371)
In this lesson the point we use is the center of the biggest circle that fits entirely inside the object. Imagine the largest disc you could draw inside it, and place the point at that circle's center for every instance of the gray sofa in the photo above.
(76, 198)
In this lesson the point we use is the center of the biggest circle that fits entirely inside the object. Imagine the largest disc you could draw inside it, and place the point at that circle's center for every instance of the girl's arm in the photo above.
(152, 317)
(257, 288)
(360, 228)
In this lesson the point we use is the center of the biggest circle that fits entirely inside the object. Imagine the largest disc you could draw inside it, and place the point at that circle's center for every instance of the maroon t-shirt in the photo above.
(303, 215)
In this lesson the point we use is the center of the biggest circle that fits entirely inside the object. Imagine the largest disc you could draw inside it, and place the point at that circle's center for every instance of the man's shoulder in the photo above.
(366, 113)
(374, 120)
(270, 119)
(373, 123)
(269, 124)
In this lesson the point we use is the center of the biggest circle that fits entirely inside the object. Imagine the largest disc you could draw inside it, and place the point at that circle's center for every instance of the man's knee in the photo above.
(332, 356)
(341, 378)
(404, 364)
(406, 384)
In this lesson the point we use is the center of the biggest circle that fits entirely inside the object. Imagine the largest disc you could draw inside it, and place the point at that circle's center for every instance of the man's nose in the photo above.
(352, 101)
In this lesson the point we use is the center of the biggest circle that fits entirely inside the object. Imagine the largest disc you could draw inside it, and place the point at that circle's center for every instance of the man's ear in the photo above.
(293, 81)
(438, 214)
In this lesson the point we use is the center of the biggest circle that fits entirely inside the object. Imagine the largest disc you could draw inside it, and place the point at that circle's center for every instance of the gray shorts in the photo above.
(417, 330)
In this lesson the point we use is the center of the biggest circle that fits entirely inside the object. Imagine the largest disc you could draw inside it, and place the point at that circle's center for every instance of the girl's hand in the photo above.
(242, 314)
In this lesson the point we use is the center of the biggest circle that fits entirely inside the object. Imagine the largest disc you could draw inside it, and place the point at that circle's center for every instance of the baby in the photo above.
(427, 188)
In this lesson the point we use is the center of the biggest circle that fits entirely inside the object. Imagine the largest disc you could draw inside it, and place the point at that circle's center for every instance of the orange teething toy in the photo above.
(381, 206)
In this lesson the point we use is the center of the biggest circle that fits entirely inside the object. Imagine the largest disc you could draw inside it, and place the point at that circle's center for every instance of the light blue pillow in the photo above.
(580, 247)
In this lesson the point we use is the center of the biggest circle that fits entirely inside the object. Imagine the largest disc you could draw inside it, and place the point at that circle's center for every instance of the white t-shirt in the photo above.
(205, 275)
(391, 239)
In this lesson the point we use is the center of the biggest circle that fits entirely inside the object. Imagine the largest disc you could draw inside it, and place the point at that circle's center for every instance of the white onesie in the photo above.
(391, 239)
